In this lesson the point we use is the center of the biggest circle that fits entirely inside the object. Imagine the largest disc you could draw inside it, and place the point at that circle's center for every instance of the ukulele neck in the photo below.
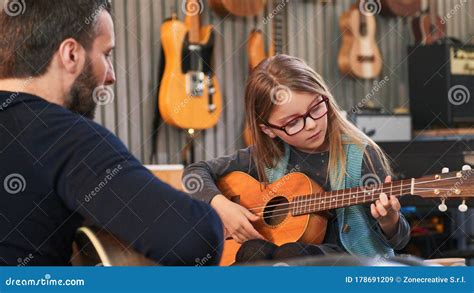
(307, 204)
(445, 186)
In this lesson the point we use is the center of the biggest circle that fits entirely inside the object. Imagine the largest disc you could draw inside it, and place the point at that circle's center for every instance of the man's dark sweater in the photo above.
(58, 169)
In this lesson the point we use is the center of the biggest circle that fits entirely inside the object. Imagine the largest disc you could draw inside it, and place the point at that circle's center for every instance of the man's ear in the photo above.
(72, 56)
(267, 130)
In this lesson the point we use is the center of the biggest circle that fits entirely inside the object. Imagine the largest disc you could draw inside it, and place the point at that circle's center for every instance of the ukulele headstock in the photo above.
(447, 185)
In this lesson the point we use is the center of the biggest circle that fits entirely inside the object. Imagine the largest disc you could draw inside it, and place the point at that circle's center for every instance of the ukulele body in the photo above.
(278, 225)
(181, 103)
(359, 55)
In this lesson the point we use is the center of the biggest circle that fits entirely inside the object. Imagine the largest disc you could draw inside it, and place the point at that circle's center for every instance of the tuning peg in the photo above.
(442, 207)
(462, 207)
(466, 168)
(445, 170)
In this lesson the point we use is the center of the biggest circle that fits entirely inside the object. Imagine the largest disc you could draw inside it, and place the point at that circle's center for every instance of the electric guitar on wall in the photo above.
(359, 55)
(292, 208)
(189, 95)
(256, 48)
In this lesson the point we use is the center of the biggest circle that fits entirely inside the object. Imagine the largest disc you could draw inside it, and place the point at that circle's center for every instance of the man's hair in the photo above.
(31, 32)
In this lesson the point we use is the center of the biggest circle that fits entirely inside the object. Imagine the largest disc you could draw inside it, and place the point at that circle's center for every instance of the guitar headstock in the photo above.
(447, 185)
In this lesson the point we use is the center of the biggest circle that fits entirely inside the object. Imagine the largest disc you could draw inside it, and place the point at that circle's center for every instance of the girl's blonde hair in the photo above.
(293, 73)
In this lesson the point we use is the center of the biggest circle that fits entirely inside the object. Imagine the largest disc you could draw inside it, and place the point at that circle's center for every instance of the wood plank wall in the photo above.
(314, 35)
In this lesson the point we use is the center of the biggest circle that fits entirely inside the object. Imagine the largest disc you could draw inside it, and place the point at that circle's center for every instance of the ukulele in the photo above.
(237, 7)
(292, 208)
(189, 96)
(256, 49)
(359, 55)
(429, 27)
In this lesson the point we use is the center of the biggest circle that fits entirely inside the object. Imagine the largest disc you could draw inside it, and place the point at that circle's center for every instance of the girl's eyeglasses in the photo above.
(296, 125)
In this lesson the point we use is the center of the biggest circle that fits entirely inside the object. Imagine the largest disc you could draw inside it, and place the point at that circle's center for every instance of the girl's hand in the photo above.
(236, 219)
(387, 212)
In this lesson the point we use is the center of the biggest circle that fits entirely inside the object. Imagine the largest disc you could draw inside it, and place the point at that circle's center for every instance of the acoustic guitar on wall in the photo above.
(237, 7)
(292, 208)
(189, 95)
(428, 28)
(359, 55)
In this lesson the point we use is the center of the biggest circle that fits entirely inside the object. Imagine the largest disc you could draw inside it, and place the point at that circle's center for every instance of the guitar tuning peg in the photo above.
(442, 207)
(466, 168)
(463, 207)
(445, 170)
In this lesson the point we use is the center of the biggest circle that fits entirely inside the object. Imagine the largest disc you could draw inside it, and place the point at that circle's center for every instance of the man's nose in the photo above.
(110, 77)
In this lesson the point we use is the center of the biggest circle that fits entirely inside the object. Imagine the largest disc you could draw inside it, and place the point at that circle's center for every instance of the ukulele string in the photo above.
(284, 210)
(384, 189)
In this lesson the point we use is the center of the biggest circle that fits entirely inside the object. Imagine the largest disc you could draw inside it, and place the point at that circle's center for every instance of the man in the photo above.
(59, 168)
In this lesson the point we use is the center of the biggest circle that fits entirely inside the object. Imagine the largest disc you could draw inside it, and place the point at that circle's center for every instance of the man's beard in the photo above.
(81, 100)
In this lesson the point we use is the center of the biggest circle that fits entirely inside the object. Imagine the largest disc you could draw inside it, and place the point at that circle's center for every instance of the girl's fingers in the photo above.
(249, 215)
(394, 203)
(384, 200)
(374, 212)
(238, 238)
(251, 233)
(388, 179)
(380, 208)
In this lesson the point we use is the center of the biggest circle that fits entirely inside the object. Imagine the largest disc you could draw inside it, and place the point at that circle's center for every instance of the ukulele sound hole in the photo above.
(276, 211)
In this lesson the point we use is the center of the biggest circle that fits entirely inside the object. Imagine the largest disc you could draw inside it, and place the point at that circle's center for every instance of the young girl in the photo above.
(296, 124)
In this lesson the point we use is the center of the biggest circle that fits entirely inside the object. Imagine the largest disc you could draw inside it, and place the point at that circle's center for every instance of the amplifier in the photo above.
(384, 127)
(441, 81)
